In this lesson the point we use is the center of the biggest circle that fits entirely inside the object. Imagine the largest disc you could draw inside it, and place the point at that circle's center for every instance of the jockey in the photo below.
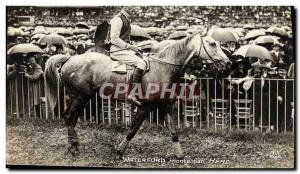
(122, 50)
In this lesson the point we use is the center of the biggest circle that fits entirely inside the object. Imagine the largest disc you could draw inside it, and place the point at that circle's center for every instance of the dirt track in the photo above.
(44, 143)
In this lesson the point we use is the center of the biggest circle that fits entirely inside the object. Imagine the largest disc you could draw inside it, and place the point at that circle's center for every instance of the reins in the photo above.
(187, 60)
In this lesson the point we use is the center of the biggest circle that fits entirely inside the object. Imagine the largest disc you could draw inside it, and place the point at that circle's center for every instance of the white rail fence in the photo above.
(217, 104)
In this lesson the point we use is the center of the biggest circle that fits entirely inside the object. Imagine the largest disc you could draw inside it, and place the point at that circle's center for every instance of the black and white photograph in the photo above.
(150, 87)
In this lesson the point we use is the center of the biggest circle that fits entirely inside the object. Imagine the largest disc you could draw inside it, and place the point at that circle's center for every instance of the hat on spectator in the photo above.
(277, 44)
(128, 10)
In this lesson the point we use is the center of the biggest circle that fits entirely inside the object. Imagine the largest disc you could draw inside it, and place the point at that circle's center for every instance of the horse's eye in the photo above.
(213, 44)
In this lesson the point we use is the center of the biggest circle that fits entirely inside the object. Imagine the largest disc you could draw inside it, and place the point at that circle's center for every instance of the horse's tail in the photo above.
(52, 77)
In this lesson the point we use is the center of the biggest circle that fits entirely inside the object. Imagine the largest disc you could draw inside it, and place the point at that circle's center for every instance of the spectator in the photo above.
(33, 75)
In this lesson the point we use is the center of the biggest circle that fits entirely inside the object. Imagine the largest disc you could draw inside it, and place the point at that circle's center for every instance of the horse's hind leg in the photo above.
(174, 134)
(135, 125)
(71, 115)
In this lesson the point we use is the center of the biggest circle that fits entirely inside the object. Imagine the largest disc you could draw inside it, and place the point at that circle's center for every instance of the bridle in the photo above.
(186, 63)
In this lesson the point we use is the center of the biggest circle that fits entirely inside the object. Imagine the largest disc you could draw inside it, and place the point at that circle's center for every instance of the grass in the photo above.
(40, 143)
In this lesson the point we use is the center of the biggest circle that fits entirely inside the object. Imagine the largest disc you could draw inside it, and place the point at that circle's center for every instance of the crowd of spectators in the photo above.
(216, 15)
(170, 19)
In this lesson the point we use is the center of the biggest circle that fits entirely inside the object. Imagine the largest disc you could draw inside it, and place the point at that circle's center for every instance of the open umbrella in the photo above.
(138, 33)
(64, 32)
(177, 35)
(40, 31)
(93, 28)
(266, 40)
(242, 30)
(81, 31)
(249, 26)
(24, 48)
(238, 32)
(253, 51)
(254, 34)
(181, 28)
(286, 28)
(277, 31)
(11, 31)
(39, 27)
(153, 31)
(170, 28)
(164, 19)
(37, 36)
(290, 34)
(29, 28)
(225, 35)
(52, 39)
(82, 25)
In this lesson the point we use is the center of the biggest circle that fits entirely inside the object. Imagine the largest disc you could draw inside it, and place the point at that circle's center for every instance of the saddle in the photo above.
(122, 68)
(101, 39)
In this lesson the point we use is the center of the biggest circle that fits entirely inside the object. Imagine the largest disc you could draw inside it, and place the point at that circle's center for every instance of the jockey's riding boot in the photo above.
(135, 79)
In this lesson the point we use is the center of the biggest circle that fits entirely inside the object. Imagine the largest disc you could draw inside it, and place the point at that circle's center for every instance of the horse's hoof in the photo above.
(179, 156)
(74, 151)
(119, 156)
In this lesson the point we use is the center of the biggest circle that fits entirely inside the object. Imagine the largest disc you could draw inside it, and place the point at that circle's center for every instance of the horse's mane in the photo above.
(175, 49)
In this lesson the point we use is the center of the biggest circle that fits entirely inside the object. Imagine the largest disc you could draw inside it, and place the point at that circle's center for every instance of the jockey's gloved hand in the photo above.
(134, 48)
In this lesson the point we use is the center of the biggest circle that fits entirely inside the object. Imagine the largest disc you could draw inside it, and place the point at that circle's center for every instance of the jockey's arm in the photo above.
(116, 26)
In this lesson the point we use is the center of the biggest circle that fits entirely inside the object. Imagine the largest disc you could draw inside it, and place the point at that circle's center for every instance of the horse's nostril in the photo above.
(228, 64)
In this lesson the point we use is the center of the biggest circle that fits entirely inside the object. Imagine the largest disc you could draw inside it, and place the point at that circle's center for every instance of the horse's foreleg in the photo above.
(135, 125)
(71, 117)
(174, 134)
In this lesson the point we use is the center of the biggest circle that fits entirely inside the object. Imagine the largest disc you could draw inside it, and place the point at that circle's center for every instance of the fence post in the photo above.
(109, 112)
(215, 110)
(223, 104)
(150, 119)
(23, 99)
(246, 117)
(230, 104)
(116, 109)
(185, 105)
(96, 113)
(207, 102)
(200, 104)
(84, 114)
(285, 107)
(193, 104)
(293, 109)
(238, 104)
(40, 94)
(91, 118)
(28, 98)
(58, 101)
(102, 110)
(269, 106)
(277, 129)
(253, 104)
(178, 112)
(10, 96)
(17, 98)
(261, 105)
(46, 99)
(156, 117)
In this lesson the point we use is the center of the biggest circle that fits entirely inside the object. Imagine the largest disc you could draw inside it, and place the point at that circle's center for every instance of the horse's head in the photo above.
(209, 50)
